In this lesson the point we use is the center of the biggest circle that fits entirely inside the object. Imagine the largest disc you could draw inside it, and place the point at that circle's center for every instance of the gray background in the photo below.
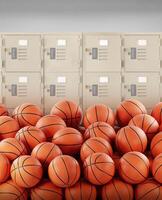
(80, 15)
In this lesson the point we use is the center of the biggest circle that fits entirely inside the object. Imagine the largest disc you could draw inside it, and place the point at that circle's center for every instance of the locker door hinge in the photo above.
(122, 63)
(3, 63)
(122, 79)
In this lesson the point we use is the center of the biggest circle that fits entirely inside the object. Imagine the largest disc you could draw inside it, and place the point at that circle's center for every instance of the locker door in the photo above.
(21, 88)
(102, 52)
(102, 88)
(23, 52)
(62, 52)
(141, 52)
(142, 86)
(60, 86)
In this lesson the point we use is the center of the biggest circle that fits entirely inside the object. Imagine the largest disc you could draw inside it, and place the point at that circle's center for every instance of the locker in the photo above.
(60, 86)
(22, 87)
(62, 52)
(101, 52)
(22, 52)
(142, 86)
(102, 88)
(141, 52)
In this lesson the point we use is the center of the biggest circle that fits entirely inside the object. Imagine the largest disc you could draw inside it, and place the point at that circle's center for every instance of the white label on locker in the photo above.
(103, 79)
(103, 43)
(23, 42)
(61, 42)
(23, 79)
(142, 42)
(142, 79)
(61, 79)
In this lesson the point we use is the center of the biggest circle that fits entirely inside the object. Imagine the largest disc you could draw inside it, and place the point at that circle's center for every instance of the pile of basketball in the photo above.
(74, 156)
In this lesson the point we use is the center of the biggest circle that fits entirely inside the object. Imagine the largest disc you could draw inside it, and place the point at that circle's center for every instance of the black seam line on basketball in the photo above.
(103, 145)
(6, 122)
(59, 124)
(102, 170)
(116, 189)
(135, 168)
(99, 163)
(127, 139)
(69, 145)
(17, 116)
(61, 111)
(128, 191)
(93, 130)
(13, 145)
(6, 152)
(154, 174)
(24, 130)
(126, 111)
(31, 174)
(90, 193)
(96, 126)
(40, 197)
(24, 166)
(57, 174)
(143, 122)
(3, 113)
(96, 113)
(21, 195)
(150, 126)
(75, 173)
(27, 144)
(107, 198)
(70, 111)
(48, 190)
(102, 131)
(5, 133)
(26, 120)
(15, 187)
(156, 144)
(68, 134)
(70, 193)
(134, 123)
(48, 155)
(32, 135)
(29, 113)
(140, 159)
(158, 157)
(87, 118)
(138, 137)
(39, 149)
(66, 170)
(149, 192)
(9, 193)
(158, 195)
(80, 189)
(93, 171)
(108, 113)
(136, 105)
(89, 147)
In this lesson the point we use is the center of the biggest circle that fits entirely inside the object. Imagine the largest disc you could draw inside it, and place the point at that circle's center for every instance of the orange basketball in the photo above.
(50, 124)
(157, 112)
(69, 140)
(147, 123)
(98, 112)
(81, 191)
(27, 114)
(160, 127)
(11, 191)
(4, 168)
(100, 129)
(30, 136)
(131, 138)
(134, 167)
(3, 110)
(128, 109)
(157, 168)
(99, 168)
(94, 145)
(46, 190)
(69, 111)
(12, 148)
(26, 171)
(148, 190)
(64, 171)
(117, 190)
(45, 152)
(8, 127)
(156, 144)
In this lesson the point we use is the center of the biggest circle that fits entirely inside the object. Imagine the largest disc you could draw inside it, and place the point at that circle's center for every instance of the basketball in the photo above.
(156, 144)
(27, 114)
(50, 124)
(118, 190)
(3, 110)
(30, 136)
(46, 190)
(12, 148)
(11, 191)
(157, 168)
(157, 112)
(8, 127)
(81, 191)
(64, 171)
(149, 189)
(100, 129)
(26, 171)
(45, 152)
(134, 167)
(69, 140)
(69, 111)
(131, 138)
(4, 168)
(98, 112)
(160, 127)
(128, 109)
(99, 168)
(94, 145)
(147, 123)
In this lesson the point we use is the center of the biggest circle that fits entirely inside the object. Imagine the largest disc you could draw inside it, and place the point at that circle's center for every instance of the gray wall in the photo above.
(80, 15)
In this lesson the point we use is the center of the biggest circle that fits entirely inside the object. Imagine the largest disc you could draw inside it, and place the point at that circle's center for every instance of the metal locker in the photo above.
(22, 87)
(101, 52)
(102, 88)
(62, 52)
(141, 52)
(60, 86)
(22, 52)
(142, 86)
